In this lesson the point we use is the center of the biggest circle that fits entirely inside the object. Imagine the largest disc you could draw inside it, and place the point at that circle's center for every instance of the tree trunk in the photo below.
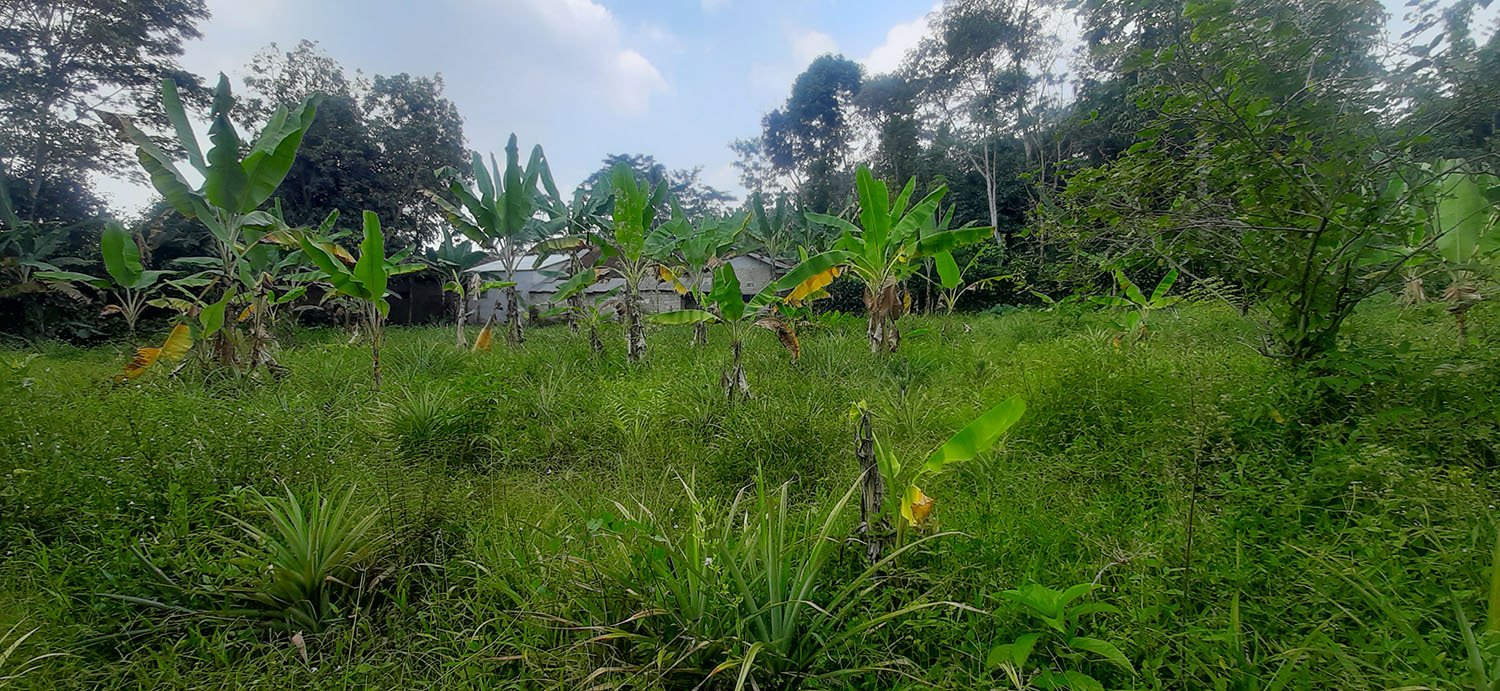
(575, 302)
(736, 385)
(700, 334)
(513, 328)
(873, 526)
(594, 341)
(635, 328)
(375, 355)
(882, 307)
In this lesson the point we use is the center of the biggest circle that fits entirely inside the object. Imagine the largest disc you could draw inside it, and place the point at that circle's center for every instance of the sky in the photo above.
(676, 79)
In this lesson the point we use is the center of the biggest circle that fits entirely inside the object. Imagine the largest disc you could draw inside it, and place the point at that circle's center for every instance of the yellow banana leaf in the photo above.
(173, 349)
(813, 285)
(245, 313)
(915, 506)
(482, 342)
(667, 276)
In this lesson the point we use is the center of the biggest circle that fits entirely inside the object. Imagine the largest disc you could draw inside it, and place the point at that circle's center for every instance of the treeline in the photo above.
(1291, 157)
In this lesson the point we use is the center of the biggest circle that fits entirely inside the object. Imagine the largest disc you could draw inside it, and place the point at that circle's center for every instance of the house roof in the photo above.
(529, 262)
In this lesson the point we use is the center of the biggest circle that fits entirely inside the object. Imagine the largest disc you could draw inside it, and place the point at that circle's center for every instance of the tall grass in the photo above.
(512, 467)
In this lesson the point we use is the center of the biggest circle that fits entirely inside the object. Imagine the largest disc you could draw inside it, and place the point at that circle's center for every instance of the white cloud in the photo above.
(899, 41)
(568, 48)
(803, 46)
(809, 44)
(711, 6)
(633, 80)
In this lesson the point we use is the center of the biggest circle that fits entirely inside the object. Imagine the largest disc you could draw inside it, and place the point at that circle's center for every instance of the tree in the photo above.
(227, 202)
(63, 62)
(808, 138)
(365, 281)
(1267, 162)
(981, 72)
(374, 146)
(697, 199)
(882, 251)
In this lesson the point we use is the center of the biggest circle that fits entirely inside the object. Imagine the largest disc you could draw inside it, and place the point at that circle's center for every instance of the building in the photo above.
(537, 280)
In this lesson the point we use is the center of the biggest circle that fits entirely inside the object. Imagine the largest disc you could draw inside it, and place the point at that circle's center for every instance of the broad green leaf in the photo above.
(725, 293)
(370, 270)
(1464, 218)
(180, 125)
(122, 257)
(949, 240)
(1103, 649)
(833, 222)
(978, 436)
(1015, 653)
(947, 268)
(72, 277)
(1164, 286)
(270, 159)
(680, 317)
(163, 171)
(211, 319)
(330, 268)
(225, 182)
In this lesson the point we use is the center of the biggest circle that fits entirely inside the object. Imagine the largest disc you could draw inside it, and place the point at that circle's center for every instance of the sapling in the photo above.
(365, 281)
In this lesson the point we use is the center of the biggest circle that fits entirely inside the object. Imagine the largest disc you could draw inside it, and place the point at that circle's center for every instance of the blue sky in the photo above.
(677, 79)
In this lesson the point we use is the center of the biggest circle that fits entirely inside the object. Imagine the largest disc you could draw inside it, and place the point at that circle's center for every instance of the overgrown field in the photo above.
(543, 502)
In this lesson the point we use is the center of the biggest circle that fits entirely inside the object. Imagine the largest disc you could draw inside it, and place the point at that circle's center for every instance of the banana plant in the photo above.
(228, 201)
(498, 212)
(1463, 221)
(454, 257)
(132, 286)
(572, 231)
(953, 281)
(773, 232)
(582, 309)
(691, 253)
(886, 247)
(365, 281)
(727, 306)
(1138, 306)
(892, 494)
(625, 255)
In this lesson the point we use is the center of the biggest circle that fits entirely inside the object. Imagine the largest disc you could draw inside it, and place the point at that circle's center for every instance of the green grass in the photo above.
(1330, 534)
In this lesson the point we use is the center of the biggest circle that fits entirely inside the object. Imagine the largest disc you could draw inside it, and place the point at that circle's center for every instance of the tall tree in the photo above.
(62, 61)
(809, 137)
(981, 72)
(374, 147)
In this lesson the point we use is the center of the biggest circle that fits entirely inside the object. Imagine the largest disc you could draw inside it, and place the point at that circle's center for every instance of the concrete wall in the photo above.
(536, 289)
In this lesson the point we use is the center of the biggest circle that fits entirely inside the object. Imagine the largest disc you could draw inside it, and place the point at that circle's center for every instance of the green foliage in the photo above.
(1137, 306)
(882, 251)
(314, 553)
(745, 592)
(1059, 650)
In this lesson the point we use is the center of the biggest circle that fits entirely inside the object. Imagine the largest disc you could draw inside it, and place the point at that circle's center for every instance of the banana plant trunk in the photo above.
(514, 331)
(873, 527)
(736, 385)
(1461, 295)
(575, 303)
(635, 327)
(372, 315)
(594, 341)
(700, 334)
(883, 307)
